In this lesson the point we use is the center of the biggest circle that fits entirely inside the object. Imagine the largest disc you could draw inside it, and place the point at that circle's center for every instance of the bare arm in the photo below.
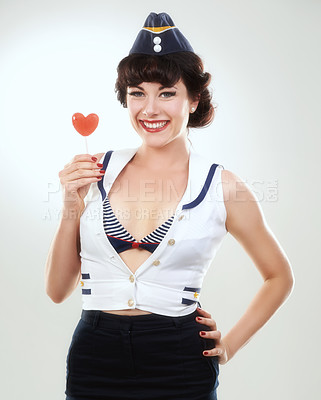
(63, 265)
(245, 221)
(62, 272)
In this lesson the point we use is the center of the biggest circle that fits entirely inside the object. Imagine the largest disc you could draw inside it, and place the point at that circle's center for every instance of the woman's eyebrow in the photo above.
(167, 87)
(161, 88)
(134, 86)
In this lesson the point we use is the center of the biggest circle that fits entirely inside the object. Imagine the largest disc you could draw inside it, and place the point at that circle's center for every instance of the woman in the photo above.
(141, 334)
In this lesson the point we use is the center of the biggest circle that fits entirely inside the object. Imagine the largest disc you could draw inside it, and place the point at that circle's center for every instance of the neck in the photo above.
(174, 155)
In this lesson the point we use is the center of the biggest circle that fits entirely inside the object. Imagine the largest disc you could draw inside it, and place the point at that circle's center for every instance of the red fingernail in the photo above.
(206, 352)
(99, 165)
(203, 333)
(199, 319)
(94, 158)
(102, 171)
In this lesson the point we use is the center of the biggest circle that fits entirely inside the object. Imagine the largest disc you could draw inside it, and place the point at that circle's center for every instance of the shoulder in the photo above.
(242, 206)
(234, 187)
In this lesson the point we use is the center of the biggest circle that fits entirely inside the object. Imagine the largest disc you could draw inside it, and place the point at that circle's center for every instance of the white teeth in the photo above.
(154, 125)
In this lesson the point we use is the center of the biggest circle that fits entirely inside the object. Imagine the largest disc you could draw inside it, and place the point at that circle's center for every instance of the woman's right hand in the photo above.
(76, 178)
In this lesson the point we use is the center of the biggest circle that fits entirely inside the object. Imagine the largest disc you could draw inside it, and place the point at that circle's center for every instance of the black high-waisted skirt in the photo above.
(140, 357)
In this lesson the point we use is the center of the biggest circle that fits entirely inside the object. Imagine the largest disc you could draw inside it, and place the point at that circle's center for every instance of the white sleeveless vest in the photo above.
(170, 280)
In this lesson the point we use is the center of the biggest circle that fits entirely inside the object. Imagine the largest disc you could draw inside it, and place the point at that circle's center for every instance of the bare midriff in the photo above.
(131, 311)
(142, 201)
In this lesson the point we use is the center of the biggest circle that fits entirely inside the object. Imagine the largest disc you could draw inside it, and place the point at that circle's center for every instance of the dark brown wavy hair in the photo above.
(167, 70)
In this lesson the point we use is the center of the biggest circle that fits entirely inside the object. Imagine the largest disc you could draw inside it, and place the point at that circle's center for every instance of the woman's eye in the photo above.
(136, 94)
(168, 94)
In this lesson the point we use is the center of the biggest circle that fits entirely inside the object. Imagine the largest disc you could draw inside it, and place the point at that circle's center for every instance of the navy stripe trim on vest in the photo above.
(101, 182)
(188, 301)
(192, 289)
(85, 276)
(86, 291)
(204, 190)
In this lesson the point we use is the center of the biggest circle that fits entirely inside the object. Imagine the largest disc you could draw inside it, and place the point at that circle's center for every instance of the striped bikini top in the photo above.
(122, 240)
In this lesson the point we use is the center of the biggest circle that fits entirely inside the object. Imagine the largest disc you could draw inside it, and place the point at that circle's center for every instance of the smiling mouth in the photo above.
(154, 126)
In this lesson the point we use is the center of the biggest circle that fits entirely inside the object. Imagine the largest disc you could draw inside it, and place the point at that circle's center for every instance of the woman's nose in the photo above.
(150, 107)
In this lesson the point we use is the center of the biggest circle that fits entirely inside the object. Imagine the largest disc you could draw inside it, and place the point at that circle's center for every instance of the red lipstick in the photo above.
(148, 129)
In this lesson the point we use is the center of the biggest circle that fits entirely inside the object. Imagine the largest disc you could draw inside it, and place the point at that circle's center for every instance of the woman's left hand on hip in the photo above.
(220, 348)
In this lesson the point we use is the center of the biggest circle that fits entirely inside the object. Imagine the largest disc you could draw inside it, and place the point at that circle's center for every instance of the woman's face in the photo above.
(159, 115)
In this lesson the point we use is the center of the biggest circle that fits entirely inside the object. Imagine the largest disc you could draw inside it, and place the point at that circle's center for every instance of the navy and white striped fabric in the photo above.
(122, 240)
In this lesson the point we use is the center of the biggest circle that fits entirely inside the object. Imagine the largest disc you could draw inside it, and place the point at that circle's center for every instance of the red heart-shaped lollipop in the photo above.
(85, 125)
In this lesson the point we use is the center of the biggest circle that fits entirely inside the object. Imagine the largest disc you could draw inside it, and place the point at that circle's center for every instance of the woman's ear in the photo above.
(195, 102)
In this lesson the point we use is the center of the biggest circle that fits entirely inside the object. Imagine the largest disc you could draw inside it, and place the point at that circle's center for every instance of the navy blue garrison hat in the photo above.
(160, 36)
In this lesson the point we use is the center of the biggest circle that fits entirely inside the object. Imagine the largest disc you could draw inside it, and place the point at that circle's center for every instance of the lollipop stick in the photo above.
(86, 145)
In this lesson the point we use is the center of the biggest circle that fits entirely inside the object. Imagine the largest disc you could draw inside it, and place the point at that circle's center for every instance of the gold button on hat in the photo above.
(156, 262)
(132, 278)
(130, 302)
(171, 242)
(82, 283)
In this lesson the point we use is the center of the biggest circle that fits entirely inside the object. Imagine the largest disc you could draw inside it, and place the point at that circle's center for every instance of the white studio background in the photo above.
(60, 57)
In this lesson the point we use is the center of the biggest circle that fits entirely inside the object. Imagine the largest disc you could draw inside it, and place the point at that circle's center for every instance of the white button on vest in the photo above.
(130, 302)
(157, 40)
(156, 262)
(132, 278)
(171, 242)
(157, 48)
